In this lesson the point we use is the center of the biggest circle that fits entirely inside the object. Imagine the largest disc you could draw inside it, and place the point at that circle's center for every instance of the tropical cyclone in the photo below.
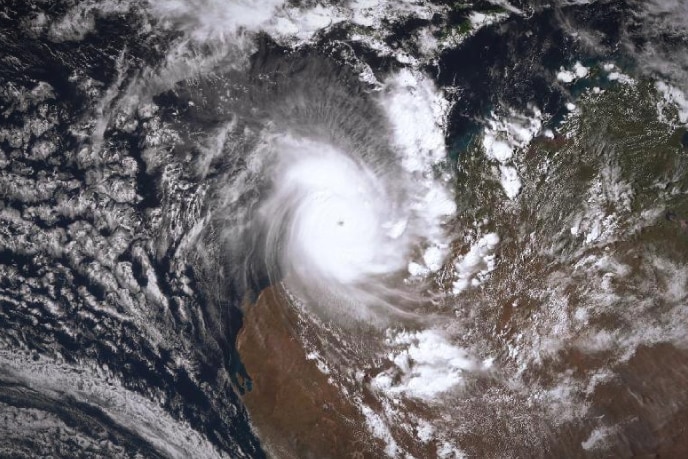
(330, 215)
(344, 225)
(344, 197)
(440, 226)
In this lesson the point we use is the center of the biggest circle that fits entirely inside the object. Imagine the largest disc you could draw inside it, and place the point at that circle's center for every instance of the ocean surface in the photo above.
(447, 229)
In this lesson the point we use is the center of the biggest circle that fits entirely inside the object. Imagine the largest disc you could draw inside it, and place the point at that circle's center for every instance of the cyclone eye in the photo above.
(336, 212)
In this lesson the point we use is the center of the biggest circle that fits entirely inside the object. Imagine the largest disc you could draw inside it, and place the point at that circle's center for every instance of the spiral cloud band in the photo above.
(338, 220)
(343, 201)
(347, 228)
